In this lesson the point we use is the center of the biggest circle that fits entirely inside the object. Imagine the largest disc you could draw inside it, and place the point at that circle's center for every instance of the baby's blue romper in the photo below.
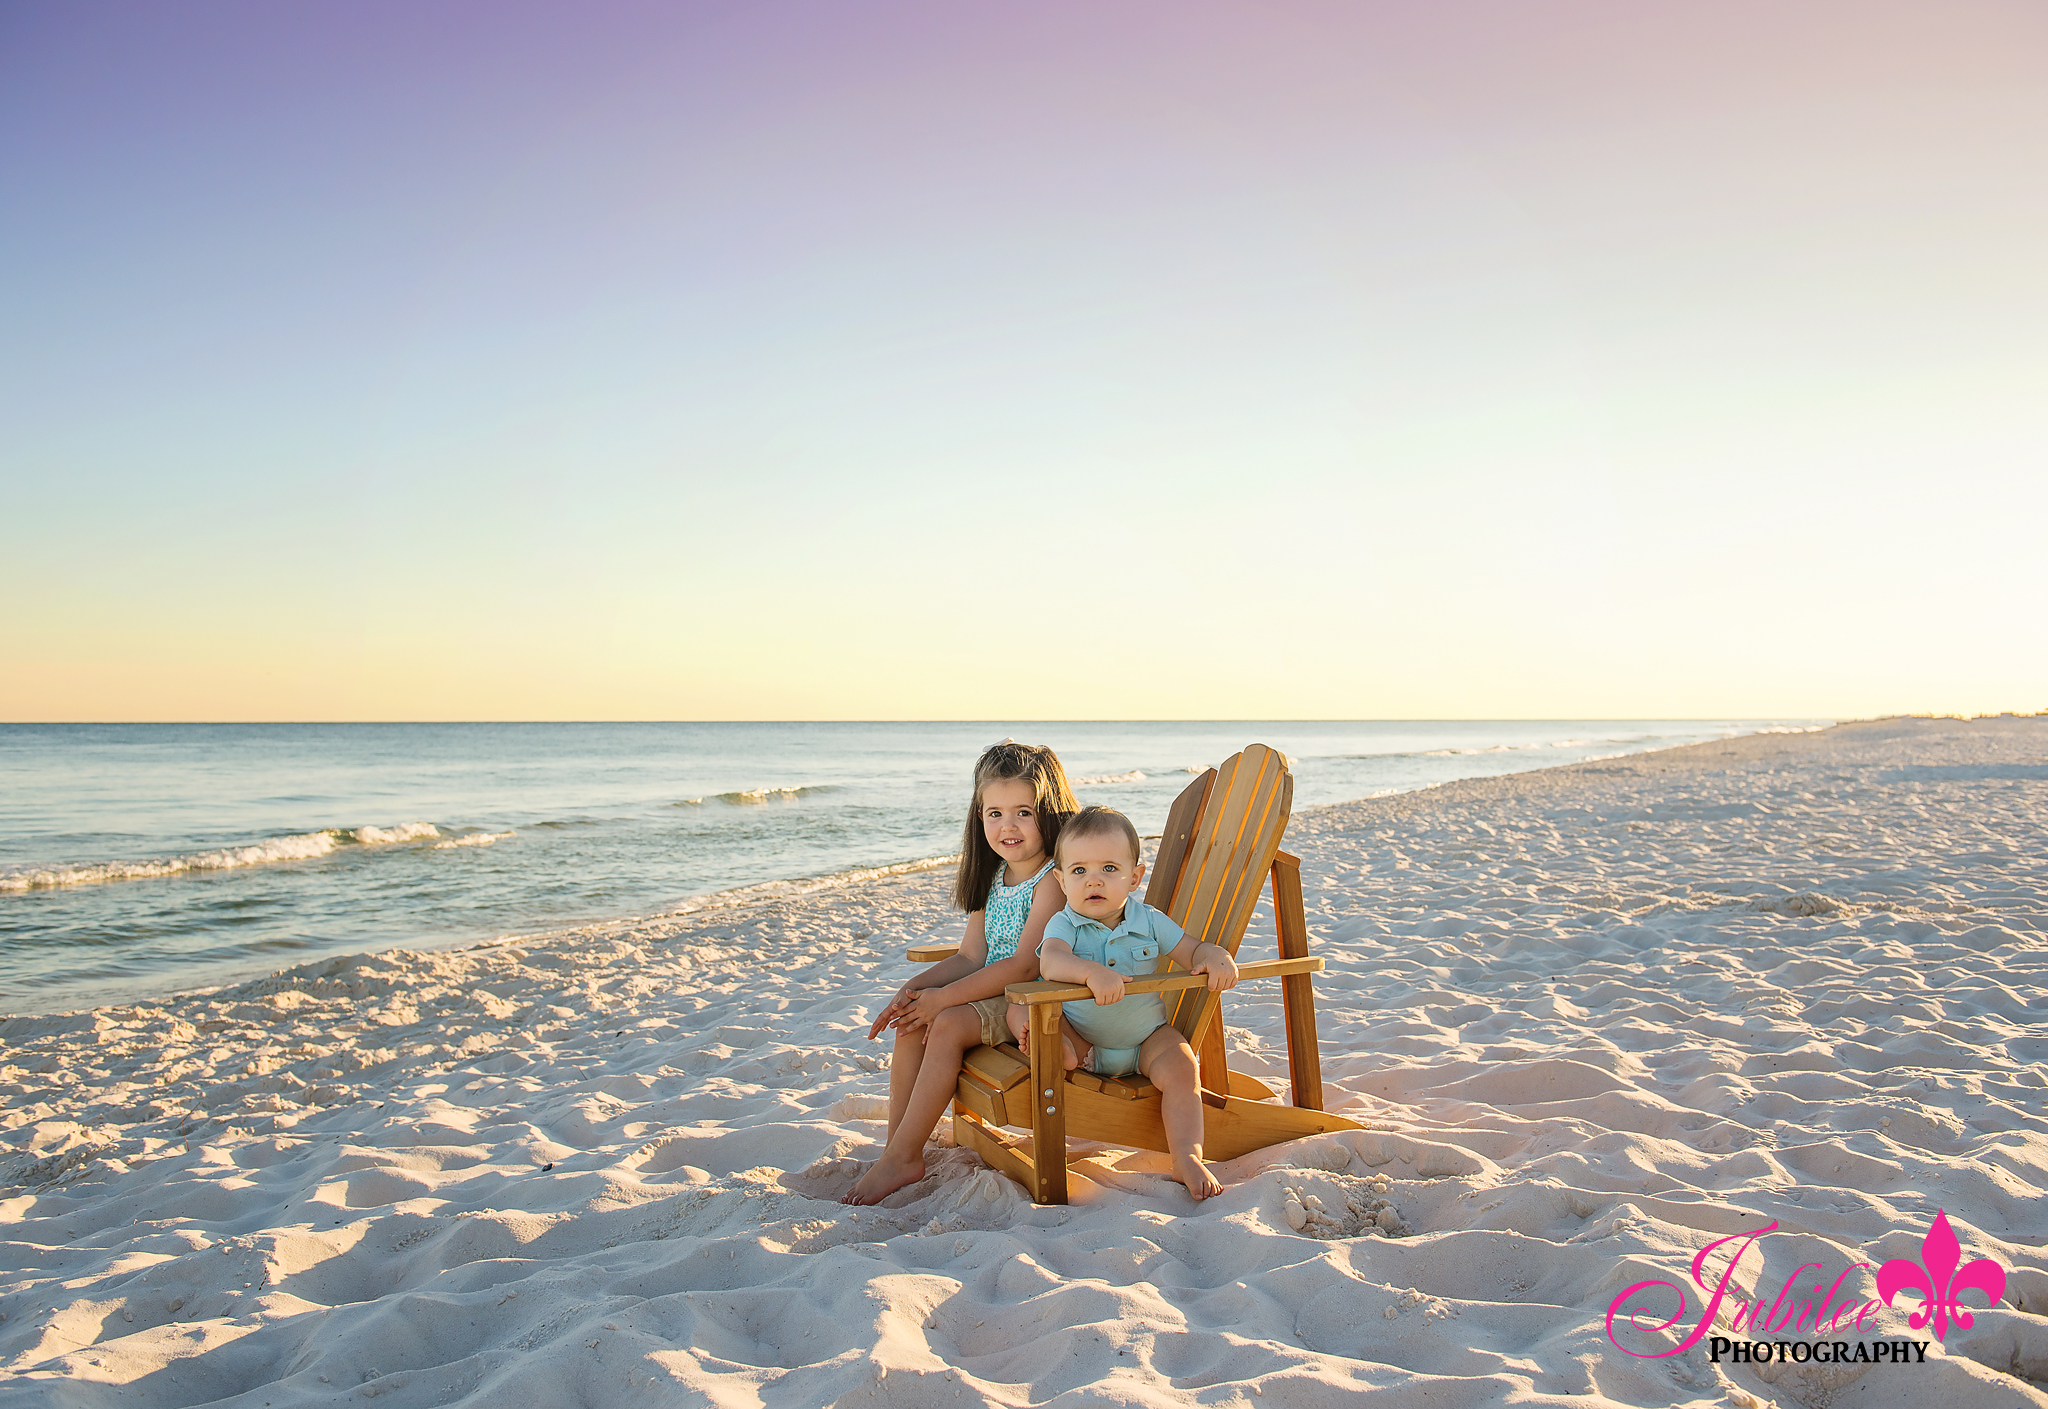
(1133, 948)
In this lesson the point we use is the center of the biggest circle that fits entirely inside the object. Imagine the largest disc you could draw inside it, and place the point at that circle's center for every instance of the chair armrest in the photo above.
(931, 953)
(1046, 991)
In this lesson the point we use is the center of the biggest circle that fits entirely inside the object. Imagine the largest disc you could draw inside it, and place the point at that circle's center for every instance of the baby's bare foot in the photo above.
(885, 1178)
(1190, 1170)
(1075, 1052)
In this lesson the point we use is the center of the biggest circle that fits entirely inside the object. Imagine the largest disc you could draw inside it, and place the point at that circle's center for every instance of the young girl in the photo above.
(1007, 887)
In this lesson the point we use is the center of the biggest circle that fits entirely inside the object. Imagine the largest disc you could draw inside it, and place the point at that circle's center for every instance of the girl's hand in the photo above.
(921, 1009)
(889, 1012)
(1218, 965)
(885, 1017)
(1106, 984)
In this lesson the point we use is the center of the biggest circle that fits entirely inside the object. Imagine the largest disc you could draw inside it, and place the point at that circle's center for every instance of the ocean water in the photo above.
(140, 859)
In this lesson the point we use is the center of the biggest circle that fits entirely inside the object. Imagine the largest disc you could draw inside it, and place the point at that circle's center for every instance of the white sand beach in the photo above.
(1592, 1018)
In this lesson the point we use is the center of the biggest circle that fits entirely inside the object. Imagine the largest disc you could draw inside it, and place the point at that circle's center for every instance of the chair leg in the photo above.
(970, 1133)
(1215, 1064)
(1297, 998)
(1048, 1106)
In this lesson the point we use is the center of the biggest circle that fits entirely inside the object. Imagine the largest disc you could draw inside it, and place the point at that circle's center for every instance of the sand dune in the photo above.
(1594, 1018)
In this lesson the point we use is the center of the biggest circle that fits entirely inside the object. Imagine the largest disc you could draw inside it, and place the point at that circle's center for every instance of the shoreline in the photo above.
(1594, 1016)
(767, 889)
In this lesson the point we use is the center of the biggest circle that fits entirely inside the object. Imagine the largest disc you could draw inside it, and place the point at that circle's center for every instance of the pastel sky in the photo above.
(999, 360)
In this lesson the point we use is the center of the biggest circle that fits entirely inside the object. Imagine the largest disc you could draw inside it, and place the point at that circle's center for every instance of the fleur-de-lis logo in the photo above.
(1939, 1282)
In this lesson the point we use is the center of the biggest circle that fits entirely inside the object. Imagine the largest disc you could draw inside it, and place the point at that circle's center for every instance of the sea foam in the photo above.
(302, 846)
(759, 795)
(472, 839)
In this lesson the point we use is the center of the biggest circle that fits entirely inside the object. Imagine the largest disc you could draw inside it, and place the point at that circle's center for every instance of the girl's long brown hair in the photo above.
(1052, 800)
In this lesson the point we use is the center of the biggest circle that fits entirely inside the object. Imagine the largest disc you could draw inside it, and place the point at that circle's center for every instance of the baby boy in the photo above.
(1104, 936)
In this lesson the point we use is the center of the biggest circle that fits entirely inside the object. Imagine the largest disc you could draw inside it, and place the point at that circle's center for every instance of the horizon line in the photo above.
(1218, 719)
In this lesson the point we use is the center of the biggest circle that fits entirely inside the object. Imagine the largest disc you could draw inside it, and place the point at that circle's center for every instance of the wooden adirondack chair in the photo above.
(1221, 844)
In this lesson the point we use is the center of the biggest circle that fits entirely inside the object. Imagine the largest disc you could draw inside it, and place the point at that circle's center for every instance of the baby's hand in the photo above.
(1217, 964)
(1107, 985)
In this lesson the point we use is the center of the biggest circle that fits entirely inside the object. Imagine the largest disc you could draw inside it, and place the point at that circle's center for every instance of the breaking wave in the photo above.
(755, 796)
(1099, 779)
(303, 846)
(384, 836)
(472, 839)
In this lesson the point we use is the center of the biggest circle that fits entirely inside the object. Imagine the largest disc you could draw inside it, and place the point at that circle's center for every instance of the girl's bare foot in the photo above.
(1190, 1170)
(883, 1179)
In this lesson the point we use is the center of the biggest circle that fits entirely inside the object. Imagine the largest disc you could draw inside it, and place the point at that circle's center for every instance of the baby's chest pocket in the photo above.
(1138, 959)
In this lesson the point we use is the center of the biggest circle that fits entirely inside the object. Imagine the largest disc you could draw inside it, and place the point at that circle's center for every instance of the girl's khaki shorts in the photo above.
(995, 1029)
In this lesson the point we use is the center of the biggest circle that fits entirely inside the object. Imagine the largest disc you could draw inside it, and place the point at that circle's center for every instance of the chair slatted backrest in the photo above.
(1218, 847)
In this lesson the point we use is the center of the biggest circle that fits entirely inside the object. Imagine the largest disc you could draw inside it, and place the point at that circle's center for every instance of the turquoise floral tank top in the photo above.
(1008, 908)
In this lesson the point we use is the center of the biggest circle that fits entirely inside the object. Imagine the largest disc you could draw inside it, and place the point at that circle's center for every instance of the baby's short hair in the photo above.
(1099, 821)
